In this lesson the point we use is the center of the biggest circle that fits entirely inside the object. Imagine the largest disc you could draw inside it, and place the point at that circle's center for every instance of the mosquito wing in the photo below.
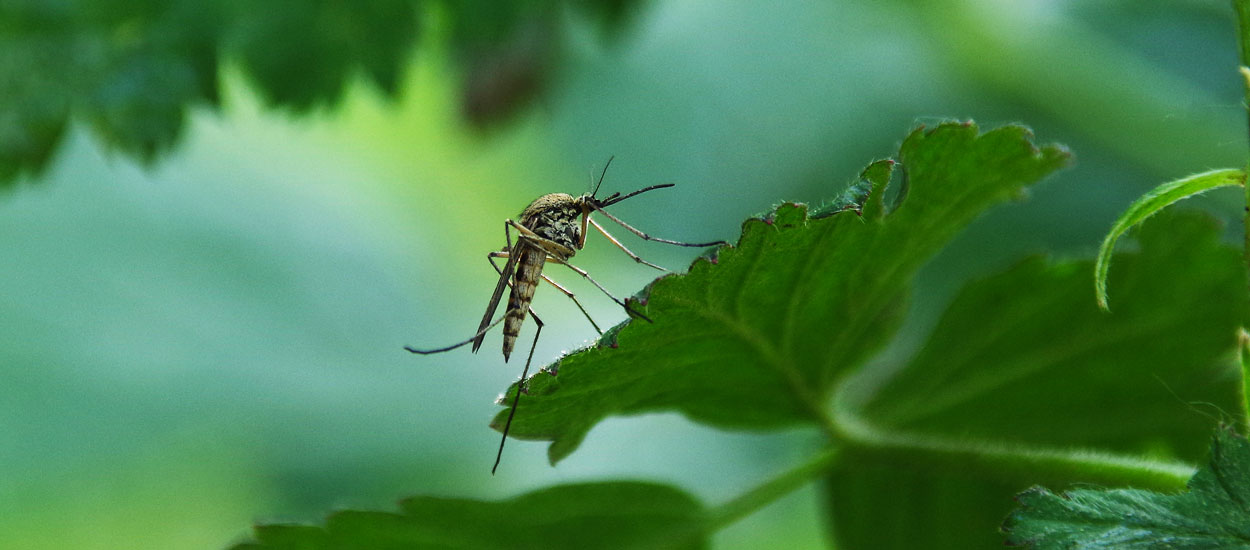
(504, 276)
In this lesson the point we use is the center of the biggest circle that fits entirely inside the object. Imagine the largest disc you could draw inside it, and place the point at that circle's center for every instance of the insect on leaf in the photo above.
(756, 337)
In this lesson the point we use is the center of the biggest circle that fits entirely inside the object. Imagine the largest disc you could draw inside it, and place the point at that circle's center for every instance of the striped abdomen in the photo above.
(529, 269)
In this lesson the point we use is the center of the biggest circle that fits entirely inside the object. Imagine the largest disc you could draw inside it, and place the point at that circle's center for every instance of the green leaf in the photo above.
(1159, 198)
(1024, 381)
(603, 515)
(1214, 514)
(756, 337)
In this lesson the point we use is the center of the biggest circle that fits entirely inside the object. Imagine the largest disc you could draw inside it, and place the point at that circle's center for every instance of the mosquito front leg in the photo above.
(507, 233)
(549, 246)
(491, 257)
(621, 246)
(649, 237)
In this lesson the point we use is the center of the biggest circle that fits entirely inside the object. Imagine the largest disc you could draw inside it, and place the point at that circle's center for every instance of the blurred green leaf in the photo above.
(130, 70)
(1215, 513)
(1025, 363)
(302, 53)
(602, 515)
(1151, 203)
(756, 337)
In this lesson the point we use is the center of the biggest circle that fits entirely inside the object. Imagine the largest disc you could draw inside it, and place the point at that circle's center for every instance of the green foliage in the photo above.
(612, 515)
(1213, 514)
(757, 337)
(130, 70)
(1025, 381)
(760, 335)
(1149, 204)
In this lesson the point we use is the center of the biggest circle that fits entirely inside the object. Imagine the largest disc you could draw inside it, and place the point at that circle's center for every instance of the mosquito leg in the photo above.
(569, 293)
(649, 237)
(519, 390)
(479, 334)
(547, 245)
(586, 276)
(621, 246)
(566, 291)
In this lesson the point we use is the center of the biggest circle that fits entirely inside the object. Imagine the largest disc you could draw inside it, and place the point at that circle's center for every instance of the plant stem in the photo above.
(1043, 466)
(771, 490)
(1242, 7)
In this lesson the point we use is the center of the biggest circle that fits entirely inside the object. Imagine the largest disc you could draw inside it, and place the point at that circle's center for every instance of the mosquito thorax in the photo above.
(556, 216)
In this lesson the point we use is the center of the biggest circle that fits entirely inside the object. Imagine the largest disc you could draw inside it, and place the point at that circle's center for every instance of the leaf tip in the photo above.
(1100, 295)
(1102, 265)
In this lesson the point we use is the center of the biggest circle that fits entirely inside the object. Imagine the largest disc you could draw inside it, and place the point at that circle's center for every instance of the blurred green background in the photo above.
(213, 338)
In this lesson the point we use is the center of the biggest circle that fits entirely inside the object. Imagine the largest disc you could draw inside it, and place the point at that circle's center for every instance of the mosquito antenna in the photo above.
(458, 344)
(602, 174)
(615, 199)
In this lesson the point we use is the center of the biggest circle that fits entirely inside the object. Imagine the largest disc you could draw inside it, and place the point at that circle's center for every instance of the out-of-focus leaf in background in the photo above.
(1024, 362)
(302, 53)
(131, 70)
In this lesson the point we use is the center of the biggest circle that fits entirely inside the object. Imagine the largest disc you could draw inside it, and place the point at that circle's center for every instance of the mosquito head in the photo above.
(598, 204)
(589, 202)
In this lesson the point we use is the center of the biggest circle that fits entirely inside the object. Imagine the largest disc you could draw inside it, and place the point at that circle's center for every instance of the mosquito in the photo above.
(551, 230)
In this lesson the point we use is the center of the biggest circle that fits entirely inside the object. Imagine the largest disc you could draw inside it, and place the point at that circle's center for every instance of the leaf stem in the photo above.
(1043, 466)
(761, 495)
(1242, 7)
(1243, 10)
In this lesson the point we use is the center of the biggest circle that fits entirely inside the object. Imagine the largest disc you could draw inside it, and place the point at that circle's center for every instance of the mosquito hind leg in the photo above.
(520, 389)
